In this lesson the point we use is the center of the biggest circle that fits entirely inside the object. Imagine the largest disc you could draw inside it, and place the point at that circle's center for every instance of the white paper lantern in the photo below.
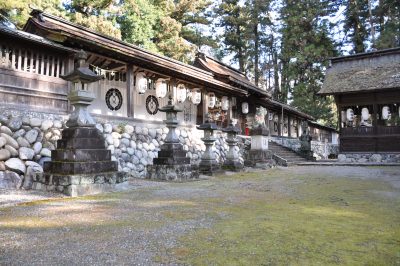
(181, 93)
(211, 100)
(245, 107)
(161, 88)
(349, 114)
(224, 103)
(364, 114)
(141, 83)
(385, 112)
(196, 96)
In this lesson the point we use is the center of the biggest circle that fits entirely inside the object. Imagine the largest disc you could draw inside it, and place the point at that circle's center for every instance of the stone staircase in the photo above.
(285, 156)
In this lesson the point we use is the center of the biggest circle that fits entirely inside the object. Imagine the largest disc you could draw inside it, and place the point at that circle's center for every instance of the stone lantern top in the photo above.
(231, 129)
(81, 73)
(170, 107)
(207, 125)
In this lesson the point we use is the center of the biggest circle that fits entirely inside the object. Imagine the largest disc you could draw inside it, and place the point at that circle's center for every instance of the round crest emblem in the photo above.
(151, 104)
(114, 99)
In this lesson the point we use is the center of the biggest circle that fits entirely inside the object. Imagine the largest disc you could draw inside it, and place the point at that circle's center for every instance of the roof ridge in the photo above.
(60, 19)
(222, 63)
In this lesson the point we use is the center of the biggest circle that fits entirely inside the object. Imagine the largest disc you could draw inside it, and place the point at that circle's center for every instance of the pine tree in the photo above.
(94, 14)
(355, 23)
(17, 11)
(388, 17)
(234, 20)
(306, 48)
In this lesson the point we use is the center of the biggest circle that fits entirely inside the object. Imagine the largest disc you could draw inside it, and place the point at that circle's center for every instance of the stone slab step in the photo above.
(81, 143)
(81, 155)
(80, 167)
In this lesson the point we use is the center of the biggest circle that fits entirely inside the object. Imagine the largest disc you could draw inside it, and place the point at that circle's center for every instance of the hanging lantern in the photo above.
(141, 83)
(225, 103)
(161, 88)
(245, 107)
(211, 100)
(181, 93)
(349, 114)
(196, 96)
(364, 114)
(385, 112)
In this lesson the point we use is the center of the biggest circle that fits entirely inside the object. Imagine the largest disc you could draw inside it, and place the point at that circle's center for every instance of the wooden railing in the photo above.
(31, 61)
(388, 130)
(360, 131)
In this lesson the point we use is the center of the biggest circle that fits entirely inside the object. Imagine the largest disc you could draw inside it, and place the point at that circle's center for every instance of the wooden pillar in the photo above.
(204, 102)
(70, 67)
(375, 121)
(280, 123)
(130, 96)
(289, 127)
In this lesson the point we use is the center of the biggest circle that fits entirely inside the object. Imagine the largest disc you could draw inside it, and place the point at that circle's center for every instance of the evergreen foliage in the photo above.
(282, 45)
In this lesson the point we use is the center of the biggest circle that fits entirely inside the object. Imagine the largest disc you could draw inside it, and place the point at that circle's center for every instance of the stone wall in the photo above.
(27, 139)
(369, 158)
(318, 148)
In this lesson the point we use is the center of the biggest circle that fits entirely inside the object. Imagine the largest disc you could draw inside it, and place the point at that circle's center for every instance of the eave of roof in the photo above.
(363, 74)
(316, 124)
(290, 108)
(59, 26)
(365, 55)
(220, 69)
(34, 38)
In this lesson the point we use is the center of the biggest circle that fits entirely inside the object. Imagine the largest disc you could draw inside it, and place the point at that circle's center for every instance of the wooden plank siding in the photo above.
(29, 77)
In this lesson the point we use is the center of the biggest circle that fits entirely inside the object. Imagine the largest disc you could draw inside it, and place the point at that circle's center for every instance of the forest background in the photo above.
(283, 46)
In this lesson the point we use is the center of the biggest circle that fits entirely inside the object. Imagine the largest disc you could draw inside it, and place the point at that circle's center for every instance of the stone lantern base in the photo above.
(209, 167)
(172, 165)
(232, 165)
(79, 184)
(177, 173)
(80, 165)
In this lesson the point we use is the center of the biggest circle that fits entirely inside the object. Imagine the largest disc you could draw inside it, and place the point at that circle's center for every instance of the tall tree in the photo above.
(17, 11)
(355, 23)
(234, 19)
(259, 21)
(306, 48)
(388, 17)
(94, 14)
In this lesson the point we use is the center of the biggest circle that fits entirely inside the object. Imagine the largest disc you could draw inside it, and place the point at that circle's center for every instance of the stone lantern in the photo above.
(172, 163)
(232, 159)
(81, 164)
(79, 97)
(208, 164)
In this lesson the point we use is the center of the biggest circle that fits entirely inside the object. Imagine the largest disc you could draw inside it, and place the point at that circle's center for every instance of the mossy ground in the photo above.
(300, 220)
(295, 216)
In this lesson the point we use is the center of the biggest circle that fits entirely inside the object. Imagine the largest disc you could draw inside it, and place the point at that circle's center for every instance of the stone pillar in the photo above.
(232, 159)
(172, 163)
(259, 152)
(305, 142)
(208, 164)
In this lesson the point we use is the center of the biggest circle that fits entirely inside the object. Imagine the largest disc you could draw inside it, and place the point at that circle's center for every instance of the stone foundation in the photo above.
(369, 157)
(177, 173)
(78, 185)
(258, 156)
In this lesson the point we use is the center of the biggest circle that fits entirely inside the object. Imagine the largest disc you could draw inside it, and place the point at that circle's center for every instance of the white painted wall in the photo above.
(100, 89)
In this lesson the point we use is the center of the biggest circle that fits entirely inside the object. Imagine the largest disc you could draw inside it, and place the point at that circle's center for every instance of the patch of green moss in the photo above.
(321, 220)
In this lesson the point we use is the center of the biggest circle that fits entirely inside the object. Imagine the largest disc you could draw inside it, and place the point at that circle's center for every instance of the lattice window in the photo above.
(32, 61)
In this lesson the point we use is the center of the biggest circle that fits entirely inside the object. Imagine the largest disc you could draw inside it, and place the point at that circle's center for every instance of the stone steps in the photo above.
(291, 157)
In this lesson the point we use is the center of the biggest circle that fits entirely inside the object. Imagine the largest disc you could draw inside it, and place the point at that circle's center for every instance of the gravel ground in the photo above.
(137, 226)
